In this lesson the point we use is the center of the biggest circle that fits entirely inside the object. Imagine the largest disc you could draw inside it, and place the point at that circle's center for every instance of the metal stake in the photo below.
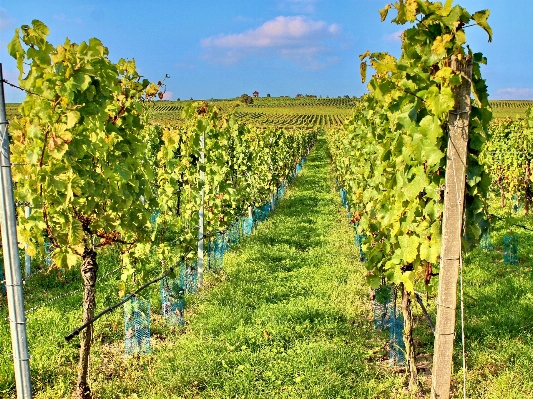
(15, 297)
(27, 258)
(201, 215)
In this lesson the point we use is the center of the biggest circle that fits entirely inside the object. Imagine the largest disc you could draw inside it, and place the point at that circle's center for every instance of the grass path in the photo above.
(288, 317)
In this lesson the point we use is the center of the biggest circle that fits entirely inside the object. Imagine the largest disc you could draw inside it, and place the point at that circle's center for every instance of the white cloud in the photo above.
(513, 93)
(393, 37)
(298, 6)
(5, 20)
(168, 95)
(297, 38)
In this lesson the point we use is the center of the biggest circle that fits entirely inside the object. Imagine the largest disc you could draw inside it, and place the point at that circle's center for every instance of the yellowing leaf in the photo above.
(444, 73)
(40, 28)
(16, 51)
(417, 185)
(72, 118)
(481, 19)
(408, 279)
(411, 7)
(460, 37)
(409, 246)
(439, 102)
(384, 11)
(383, 63)
(363, 56)
(440, 44)
(71, 259)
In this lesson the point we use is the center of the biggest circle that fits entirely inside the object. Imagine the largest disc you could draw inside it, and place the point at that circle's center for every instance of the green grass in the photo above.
(289, 316)
(498, 304)
(498, 322)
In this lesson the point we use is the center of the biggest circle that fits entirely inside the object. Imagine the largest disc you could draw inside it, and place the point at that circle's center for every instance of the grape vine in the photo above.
(508, 158)
(390, 157)
(95, 171)
(80, 155)
(243, 166)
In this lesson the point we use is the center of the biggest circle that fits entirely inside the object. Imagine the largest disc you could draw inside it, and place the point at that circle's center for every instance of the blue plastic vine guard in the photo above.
(137, 327)
(173, 301)
(510, 249)
(486, 242)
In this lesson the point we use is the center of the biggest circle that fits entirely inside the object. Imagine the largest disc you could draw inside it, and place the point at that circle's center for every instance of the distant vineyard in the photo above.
(288, 112)
(509, 108)
(283, 112)
(342, 102)
(162, 107)
(11, 111)
(302, 120)
(512, 104)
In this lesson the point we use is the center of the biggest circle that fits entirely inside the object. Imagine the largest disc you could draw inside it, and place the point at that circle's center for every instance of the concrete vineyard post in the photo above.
(452, 227)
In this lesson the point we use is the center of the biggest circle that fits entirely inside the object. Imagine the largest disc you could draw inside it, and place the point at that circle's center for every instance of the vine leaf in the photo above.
(417, 185)
(439, 101)
(481, 18)
(384, 11)
(409, 246)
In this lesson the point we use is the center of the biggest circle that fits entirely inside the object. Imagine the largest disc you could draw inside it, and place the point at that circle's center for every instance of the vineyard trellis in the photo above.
(97, 174)
(390, 157)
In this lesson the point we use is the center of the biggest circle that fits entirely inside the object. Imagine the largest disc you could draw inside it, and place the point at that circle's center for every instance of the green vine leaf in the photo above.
(481, 18)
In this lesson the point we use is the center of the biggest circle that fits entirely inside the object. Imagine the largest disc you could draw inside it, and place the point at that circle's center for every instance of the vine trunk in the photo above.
(410, 356)
(89, 270)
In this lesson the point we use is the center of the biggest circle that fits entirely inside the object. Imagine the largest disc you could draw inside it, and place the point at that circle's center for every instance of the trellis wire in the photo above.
(137, 327)
(67, 294)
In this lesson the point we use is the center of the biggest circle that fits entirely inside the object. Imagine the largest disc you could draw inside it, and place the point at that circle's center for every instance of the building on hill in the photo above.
(256, 94)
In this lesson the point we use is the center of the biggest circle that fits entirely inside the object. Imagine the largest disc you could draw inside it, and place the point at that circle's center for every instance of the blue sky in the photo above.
(224, 48)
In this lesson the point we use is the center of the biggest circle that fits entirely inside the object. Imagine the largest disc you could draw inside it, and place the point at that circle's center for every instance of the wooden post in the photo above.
(452, 226)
